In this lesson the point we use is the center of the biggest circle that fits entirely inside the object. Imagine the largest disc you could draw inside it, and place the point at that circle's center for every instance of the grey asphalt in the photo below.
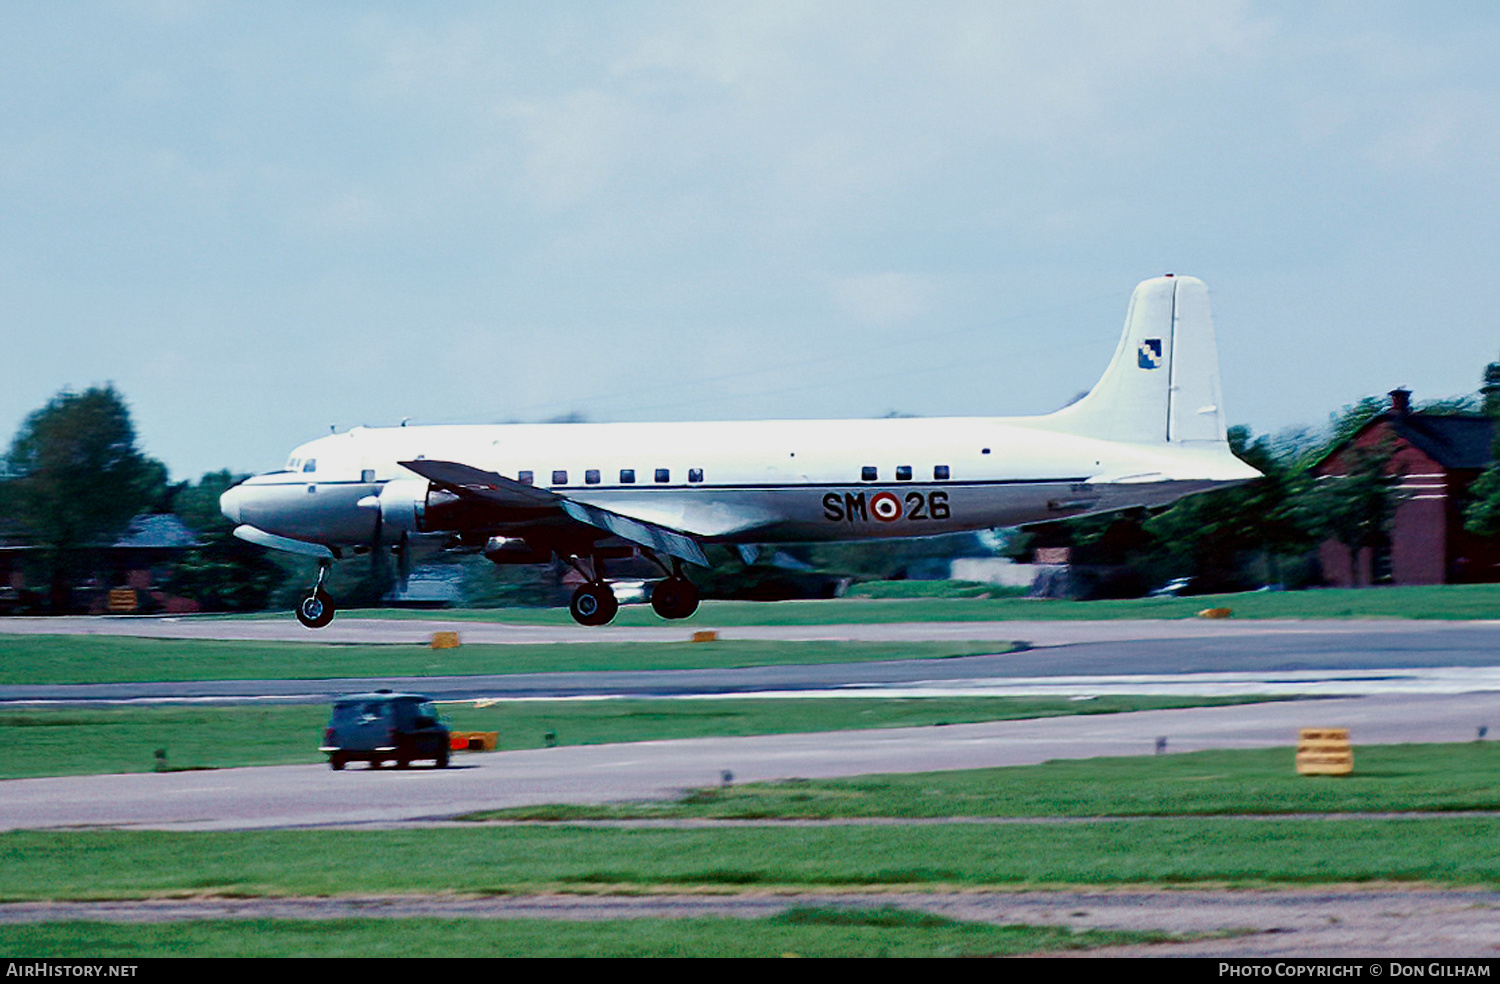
(1383, 660)
(314, 796)
(1347, 657)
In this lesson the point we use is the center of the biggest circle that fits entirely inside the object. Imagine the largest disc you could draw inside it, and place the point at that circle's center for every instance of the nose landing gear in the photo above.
(317, 609)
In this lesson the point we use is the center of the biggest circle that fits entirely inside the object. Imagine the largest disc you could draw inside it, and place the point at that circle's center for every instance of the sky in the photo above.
(262, 220)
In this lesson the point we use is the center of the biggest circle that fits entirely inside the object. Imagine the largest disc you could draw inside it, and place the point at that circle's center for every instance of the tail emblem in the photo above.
(1148, 356)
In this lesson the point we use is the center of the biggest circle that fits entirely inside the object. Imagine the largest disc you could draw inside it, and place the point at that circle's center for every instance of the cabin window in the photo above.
(940, 472)
(311, 464)
(627, 476)
(559, 478)
(903, 473)
(663, 474)
(695, 474)
(591, 477)
(868, 473)
(526, 478)
(368, 475)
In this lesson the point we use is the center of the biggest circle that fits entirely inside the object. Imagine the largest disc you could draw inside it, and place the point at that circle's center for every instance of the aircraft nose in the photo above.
(229, 503)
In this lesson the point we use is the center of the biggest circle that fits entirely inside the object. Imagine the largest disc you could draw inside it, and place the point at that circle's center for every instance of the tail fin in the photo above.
(1163, 383)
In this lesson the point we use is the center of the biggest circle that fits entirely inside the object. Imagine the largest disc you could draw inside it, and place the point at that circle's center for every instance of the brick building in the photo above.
(1438, 456)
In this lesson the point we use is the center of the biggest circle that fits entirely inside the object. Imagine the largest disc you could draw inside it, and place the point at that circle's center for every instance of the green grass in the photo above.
(931, 589)
(802, 932)
(65, 659)
(489, 860)
(1387, 778)
(81, 741)
(1457, 601)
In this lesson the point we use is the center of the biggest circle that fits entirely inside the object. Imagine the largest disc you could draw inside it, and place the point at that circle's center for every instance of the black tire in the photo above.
(442, 759)
(316, 610)
(593, 604)
(336, 762)
(676, 597)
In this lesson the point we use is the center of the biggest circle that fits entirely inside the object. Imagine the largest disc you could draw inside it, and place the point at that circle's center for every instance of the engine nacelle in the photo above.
(402, 503)
(514, 550)
(413, 505)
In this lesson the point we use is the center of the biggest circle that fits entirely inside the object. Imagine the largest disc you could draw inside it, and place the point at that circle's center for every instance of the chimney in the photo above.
(1491, 389)
(1400, 402)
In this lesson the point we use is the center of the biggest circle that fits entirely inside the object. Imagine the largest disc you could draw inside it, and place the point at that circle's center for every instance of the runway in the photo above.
(1184, 657)
(315, 796)
(1401, 681)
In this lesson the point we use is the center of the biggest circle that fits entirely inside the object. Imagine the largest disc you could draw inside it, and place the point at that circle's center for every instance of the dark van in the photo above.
(382, 727)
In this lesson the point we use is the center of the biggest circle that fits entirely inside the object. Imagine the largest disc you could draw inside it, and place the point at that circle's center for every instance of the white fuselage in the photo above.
(745, 481)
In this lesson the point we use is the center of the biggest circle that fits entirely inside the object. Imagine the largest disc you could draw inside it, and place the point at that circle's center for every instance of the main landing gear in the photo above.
(317, 609)
(675, 597)
(594, 602)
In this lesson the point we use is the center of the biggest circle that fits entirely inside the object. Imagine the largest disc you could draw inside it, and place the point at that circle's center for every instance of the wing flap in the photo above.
(658, 538)
(495, 489)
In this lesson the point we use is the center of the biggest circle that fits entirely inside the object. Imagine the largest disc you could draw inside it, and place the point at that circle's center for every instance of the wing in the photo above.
(507, 495)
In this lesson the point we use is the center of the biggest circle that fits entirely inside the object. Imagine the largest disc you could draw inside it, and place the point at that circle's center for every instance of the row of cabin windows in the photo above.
(593, 476)
(870, 473)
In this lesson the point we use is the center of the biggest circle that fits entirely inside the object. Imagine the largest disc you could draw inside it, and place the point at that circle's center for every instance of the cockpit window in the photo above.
(311, 464)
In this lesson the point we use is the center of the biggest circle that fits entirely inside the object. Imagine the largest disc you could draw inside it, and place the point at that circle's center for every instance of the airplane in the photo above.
(1150, 431)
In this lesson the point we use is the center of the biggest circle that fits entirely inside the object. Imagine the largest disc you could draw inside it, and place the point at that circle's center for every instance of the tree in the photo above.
(224, 572)
(1235, 538)
(76, 479)
(1356, 508)
(1482, 515)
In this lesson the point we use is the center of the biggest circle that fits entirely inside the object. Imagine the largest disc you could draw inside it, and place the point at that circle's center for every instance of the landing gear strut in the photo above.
(317, 609)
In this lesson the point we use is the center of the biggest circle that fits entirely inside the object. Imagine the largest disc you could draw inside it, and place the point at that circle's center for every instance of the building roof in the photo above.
(1452, 440)
(156, 531)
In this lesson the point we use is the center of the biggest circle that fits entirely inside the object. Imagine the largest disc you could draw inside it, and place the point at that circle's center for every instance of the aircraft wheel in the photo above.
(676, 597)
(316, 610)
(442, 759)
(336, 762)
(593, 604)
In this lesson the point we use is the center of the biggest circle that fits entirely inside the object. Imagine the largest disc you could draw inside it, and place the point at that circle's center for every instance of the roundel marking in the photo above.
(885, 507)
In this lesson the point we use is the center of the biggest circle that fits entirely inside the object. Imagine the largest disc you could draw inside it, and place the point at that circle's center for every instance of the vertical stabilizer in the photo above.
(1163, 383)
